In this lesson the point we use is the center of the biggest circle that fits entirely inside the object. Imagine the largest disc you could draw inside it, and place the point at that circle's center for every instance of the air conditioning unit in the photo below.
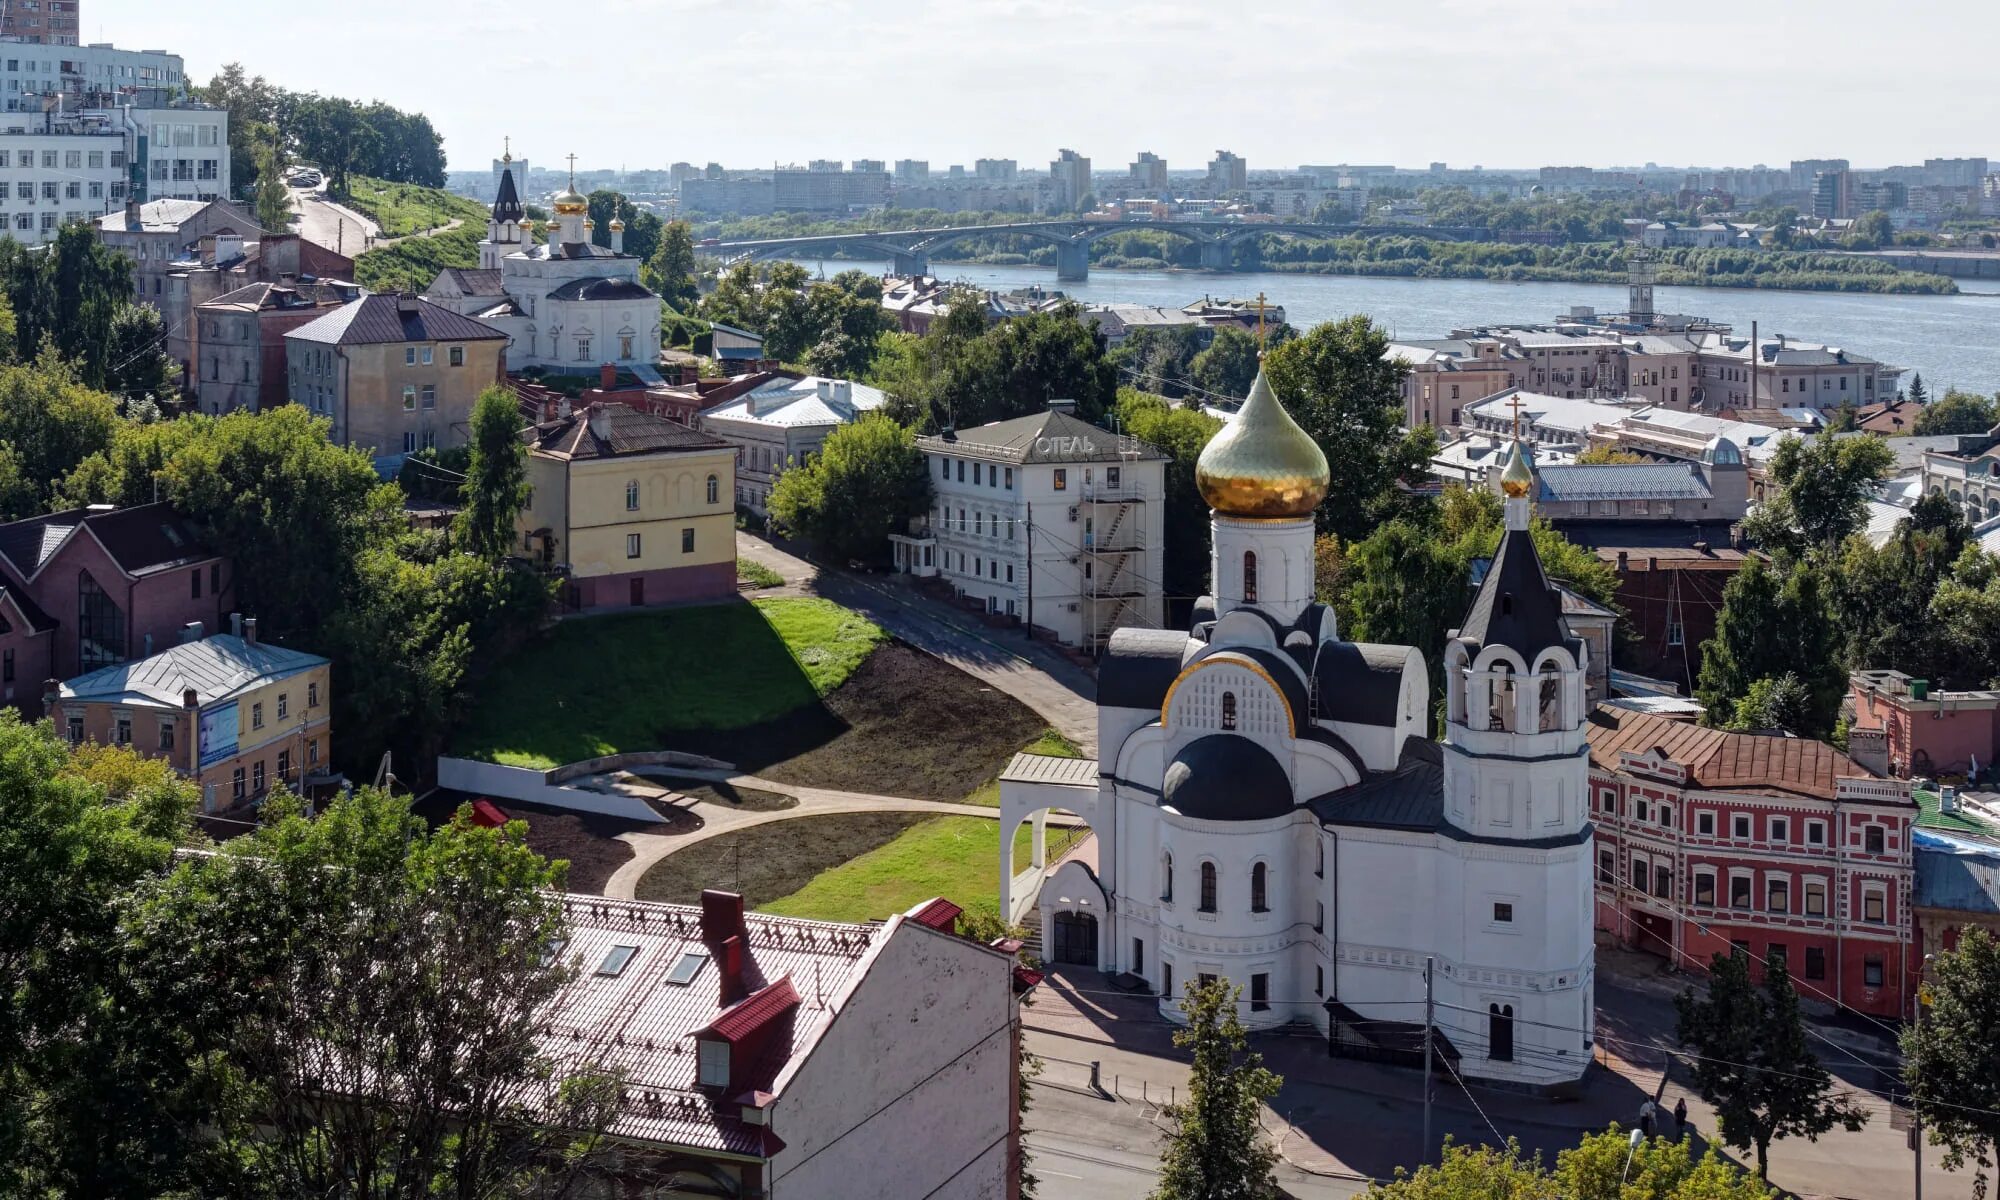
(1071, 606)
(1072, 514)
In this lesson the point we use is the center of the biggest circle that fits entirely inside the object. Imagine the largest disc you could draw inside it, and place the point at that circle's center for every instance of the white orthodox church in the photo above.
(1269, 810)
(569, 304)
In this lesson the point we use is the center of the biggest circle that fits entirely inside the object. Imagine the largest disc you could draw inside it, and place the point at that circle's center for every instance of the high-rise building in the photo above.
(1832, 194)
(49, 23)
(912, 170)
(1228, 173)
(1149, 172)
(997, 170)
(1069, 175)
(868, 166)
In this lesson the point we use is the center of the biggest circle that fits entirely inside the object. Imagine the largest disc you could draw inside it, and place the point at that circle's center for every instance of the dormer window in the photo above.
(1229, 710)
(712, 1065)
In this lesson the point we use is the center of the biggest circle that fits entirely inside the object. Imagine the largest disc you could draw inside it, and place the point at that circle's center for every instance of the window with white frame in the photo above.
(1874, 904)
(1778, 893)
(1704, 886)
(1704, 824)
(1739, 889)
(1781, 830)
(1814, 894)
(1815, 833)
(1739, 827)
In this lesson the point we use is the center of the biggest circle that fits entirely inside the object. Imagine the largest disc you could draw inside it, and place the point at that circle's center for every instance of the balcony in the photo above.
(1125, 491)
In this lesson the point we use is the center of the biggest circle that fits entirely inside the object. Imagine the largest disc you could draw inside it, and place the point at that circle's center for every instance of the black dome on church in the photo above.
(1224, 777)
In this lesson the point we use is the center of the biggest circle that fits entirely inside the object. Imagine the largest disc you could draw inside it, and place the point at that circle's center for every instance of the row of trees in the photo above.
(203, 1025)
(341, 137)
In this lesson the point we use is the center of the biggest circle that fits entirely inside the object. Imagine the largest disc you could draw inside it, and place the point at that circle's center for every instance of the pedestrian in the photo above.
(1680, 1115)
(1647, 1112)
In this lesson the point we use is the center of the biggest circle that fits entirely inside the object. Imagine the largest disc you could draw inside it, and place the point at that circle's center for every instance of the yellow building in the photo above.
(396, 374)
(235, 715)
(635, 508)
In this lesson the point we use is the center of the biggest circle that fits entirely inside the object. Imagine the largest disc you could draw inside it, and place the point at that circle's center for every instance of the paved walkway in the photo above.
(334, 226)
(717, 819)
(1060, 691)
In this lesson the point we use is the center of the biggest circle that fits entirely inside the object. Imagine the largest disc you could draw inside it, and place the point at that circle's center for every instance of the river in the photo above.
(1953, 340)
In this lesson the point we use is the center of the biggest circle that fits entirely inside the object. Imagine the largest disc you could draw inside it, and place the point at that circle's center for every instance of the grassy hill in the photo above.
(402, 209)
(415, 261)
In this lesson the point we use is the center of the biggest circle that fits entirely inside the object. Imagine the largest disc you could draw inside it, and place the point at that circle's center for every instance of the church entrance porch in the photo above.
(1074, 939)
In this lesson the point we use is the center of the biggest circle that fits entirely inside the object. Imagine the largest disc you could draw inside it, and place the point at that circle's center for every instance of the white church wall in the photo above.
(1071, 888)
(1321, 769)
(1283, 551)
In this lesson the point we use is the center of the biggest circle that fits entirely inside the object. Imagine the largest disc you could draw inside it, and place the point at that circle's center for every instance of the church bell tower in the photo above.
(506, 229)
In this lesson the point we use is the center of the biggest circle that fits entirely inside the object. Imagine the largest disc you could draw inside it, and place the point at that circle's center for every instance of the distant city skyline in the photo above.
(1493, 83)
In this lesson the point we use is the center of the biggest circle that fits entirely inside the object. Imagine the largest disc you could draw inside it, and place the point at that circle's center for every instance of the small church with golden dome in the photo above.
(569, 304)
(1269, 808)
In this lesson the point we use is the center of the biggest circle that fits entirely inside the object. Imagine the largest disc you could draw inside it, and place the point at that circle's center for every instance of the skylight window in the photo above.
(555, 951)
(614, 963)
(687, 968)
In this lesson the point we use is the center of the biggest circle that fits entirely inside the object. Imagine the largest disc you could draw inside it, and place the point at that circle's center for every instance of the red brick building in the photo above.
(91, 587)
(1774, 847)
(1909, 728)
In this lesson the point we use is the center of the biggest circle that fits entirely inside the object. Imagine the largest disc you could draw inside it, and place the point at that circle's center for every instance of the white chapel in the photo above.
(569, 304)
(1268, 809)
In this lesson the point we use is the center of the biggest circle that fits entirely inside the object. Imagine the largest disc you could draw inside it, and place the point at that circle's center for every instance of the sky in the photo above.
(1498, 83)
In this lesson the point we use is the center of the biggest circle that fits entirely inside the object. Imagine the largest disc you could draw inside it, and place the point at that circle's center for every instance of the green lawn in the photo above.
(404, 208)
(954, 857)
(1050, 743)
(605, 685)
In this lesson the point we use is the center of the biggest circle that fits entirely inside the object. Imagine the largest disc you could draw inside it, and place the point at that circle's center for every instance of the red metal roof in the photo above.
(756, 1014)
(1721, 760)
(487, 813)
(940, 914)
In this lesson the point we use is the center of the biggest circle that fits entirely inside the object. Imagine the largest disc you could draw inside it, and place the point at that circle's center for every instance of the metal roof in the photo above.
(1622, 481)
(374, 320)
(1956, 879)
(622, 430)
(1053, 769)
(216, 668)
(1719, 759)
(1044, 437)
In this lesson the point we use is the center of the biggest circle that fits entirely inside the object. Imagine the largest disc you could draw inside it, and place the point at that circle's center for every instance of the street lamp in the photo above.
(1632, 1147)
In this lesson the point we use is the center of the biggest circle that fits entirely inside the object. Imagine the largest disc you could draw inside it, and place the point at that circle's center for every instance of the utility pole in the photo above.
(1429, 1011)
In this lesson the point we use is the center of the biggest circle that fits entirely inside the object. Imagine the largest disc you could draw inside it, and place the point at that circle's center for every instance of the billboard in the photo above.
(218, 734)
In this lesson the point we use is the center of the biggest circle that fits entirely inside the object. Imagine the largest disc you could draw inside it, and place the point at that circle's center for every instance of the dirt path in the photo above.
(1061, 692)
(649, 848)
(447, 227)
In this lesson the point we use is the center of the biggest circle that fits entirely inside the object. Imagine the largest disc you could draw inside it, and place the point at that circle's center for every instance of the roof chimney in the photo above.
(607, 376)
(191, 632)
(228, 246)
(1063, 406)
(843, 391)
(236, 624)
(132, 218)
(406, 302)
(826, 389)
(721, 916)
(600, 428)
(729, 958)
(190, 698)
(250, 630)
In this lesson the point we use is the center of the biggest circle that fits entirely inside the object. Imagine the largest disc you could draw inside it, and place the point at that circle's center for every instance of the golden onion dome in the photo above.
(617, 225)
(1262, 465)
(568, 204)
(1519, 478)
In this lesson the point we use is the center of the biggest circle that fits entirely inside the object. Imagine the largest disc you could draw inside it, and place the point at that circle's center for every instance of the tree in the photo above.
(1782, 703)
(642, 228)
(1183, 433)
(496, 476)
(66, 294)
(137, 370)
(1884, 598)
(1228, 366)
(670, 270)
(271, 198)
(49, 423)
(1339, 386)
(867, 481)
(357, 956)
(1597, 1168)
(1018, 366)
(1772, 625)
(1823, 487)
(1917, 394)
(1753, 1063)
(1957, 412)
(1948, 1055)
(1608, 455)
(1216, 1146)
(1159, 359)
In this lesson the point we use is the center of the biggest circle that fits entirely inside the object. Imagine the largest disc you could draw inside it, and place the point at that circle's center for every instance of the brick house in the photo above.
(242, 342)
(91, 587)
(1711, 841)
(1909, 728)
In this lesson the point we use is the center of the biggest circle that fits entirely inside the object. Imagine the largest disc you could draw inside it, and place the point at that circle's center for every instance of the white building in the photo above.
(782, 424)
(63, 167)
(80, 77)
(1047, 519)
(1268, 811)
(569, 305)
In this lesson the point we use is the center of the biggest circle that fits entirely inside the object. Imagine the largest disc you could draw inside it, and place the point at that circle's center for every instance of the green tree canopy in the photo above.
(1603, 1166)
(1216, 1145)
(1957, 412)
(66, 295)
(1016, 367)
(1948, 1056)
(642, 227)
(1823, 487)
(270, 198)
(867, 481)
(670, 269)
(1773, 625)
(50, 422)
(1753, 1063)
(1339, 386)
(496, 476)
(1183, 433)
(1228, 366)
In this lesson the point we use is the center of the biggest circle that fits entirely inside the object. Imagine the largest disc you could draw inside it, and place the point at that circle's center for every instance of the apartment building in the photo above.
(1445, 374)
(41, 22)
(395, 373)
(1774, 848)
(235, 715)
(1048, 520)
(782, 423)
(242, 338)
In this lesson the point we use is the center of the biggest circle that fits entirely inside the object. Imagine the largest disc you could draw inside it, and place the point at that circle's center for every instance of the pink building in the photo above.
(1904, 727)
(92, 587)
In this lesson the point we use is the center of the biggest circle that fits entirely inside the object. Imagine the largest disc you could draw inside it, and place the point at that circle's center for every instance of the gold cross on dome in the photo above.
(507, 149)
(572, 172)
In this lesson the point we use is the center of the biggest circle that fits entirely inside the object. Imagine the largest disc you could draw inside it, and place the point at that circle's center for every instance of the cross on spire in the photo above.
(1260, 324)
(1515, 404)
(572, 172)
(507, 151)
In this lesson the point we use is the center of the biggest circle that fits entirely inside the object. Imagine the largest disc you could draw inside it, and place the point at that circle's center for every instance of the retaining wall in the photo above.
(534, 787)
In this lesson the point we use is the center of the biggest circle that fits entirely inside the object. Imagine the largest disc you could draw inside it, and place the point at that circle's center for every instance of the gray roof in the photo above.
(155, 216)
(1515, 606)
(375, 320)
(1139, 666)
(1051, 768)
(474, 281)
(215, 667)
(1358, 683)
(601, 288)
(1226, 777)
(1044, 437)
(1409, 797)
(1623, 481)
(1962, 881)
(627, 431)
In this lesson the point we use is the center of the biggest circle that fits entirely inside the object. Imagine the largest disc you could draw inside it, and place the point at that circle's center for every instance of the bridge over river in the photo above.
(910, 250)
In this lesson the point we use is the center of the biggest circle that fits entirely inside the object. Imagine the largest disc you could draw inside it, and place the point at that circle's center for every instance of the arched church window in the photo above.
(1229, 710)
(631, 495)
(1167, 878)
(1249, 577)
(1502, 708)
(1260, 897)
(1550, 707)
(1500, 1032)
(1207, 887)
(1319, 860)
(714, 489)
